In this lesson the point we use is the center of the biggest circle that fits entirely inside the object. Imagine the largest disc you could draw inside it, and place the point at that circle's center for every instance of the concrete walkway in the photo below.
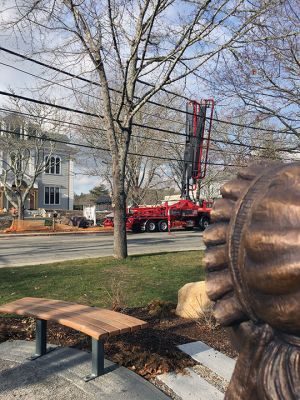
(58, 375)
(207, 380)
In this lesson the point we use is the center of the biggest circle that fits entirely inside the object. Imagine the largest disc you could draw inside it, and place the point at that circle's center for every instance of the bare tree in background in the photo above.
(234, 147)
(148, 153)
(22, 159)
(25, 143)
(261, 73)
(125, 42)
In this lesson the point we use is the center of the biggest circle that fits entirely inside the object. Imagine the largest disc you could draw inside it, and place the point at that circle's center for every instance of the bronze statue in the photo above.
(253, 274)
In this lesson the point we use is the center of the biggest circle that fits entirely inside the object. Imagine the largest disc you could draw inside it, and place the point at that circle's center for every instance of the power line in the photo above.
(249, 155)
(131, 153)
(83, 93)
(254, 147)
(16, 96)
(98, 98)
(149, 101)
(165, 90)
(80, 77)
(86, 126)
(142, 137)
(48, 139)
(77, 76)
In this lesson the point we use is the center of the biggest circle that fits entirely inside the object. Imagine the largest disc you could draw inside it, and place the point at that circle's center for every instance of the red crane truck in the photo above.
(184, 213)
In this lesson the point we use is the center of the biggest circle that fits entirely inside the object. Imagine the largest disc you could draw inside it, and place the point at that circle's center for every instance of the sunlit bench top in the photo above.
(95, 322)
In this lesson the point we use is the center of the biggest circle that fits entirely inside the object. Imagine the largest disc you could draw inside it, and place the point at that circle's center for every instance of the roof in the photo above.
(47, 135)
(104, 199)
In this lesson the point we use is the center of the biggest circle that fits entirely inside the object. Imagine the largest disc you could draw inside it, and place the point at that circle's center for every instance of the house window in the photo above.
(17, 128)
(52, 165)
(52, 196)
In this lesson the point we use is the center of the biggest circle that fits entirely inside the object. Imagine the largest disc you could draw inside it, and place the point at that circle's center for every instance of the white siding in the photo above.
(71, 184)
(1, 161)
(62, 181)
(31, 165)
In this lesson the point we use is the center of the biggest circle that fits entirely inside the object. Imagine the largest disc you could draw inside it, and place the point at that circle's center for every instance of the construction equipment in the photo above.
(185, 213)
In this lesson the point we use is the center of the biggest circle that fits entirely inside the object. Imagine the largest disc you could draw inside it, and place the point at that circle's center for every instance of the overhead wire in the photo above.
(55, 140)
(135, 124)
(91, 95)
(84, 126)
(138, 136)
(149, 101)
(226, 142)
(81, 92)
(45, 103)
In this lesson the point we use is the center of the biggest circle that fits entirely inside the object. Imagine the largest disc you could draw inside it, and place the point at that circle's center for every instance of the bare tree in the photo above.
(22, 159)
(27, 141)
(146, 164)
(125, 42)
(261, 73)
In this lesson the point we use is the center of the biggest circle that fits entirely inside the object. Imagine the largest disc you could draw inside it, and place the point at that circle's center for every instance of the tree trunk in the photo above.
(21, 210)
(119, 196)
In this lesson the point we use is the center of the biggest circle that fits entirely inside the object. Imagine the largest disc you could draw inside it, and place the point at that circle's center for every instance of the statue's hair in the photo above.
(253, 269)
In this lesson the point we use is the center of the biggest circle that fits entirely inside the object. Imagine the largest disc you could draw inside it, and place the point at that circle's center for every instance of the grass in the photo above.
(102, 281)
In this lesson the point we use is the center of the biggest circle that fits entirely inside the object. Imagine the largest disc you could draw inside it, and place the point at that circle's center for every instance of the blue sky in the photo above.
(83, 183)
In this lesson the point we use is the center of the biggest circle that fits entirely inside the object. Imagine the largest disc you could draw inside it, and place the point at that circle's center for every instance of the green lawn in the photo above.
(134, 281)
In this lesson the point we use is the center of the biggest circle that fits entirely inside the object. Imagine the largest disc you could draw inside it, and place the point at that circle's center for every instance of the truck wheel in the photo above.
(163, 226)
(150, 226)
(203, 223)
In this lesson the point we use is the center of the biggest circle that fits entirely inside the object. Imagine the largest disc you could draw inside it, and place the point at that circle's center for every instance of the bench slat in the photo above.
(76, 318)
(112, 315)
(112, 318)
(95, 322)
(96, 333)
(87, 314)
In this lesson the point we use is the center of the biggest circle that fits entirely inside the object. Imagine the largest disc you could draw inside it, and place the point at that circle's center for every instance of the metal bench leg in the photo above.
(97, 359)
(41, 340)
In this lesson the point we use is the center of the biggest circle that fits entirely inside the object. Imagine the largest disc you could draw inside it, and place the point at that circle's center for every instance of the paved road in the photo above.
(43, 249)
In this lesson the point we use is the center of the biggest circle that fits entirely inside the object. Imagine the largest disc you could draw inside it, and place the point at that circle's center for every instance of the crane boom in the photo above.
(198, 131)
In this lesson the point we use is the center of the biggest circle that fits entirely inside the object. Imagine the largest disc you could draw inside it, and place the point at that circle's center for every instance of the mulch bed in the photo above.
(148, 352)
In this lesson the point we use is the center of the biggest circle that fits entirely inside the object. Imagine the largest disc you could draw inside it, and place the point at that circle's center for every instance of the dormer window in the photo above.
(52, 165)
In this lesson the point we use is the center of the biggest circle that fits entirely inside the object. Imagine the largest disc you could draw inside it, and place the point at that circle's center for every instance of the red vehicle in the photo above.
(183, 214)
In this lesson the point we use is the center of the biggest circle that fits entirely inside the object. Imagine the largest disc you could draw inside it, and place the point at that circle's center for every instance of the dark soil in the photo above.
(148, 352)
(5, 222)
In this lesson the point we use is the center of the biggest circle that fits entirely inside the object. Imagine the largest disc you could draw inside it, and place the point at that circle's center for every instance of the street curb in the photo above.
(32, 234)
(92, 257)
(8, 235)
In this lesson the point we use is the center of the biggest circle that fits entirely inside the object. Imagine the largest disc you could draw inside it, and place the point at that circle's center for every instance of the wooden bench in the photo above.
(98, 323)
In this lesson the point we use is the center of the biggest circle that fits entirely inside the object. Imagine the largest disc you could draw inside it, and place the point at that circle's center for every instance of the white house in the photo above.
(53, 188)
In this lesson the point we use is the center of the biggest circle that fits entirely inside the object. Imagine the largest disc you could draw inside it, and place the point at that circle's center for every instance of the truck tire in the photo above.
(150, 226)
(163, 226)
(204, 222)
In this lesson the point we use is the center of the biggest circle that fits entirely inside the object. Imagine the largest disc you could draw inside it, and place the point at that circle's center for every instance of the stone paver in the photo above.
(214, 360)
(58, 375)
(190, 386)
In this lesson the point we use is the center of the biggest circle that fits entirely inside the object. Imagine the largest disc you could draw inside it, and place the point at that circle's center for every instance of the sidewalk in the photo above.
(58, 375)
